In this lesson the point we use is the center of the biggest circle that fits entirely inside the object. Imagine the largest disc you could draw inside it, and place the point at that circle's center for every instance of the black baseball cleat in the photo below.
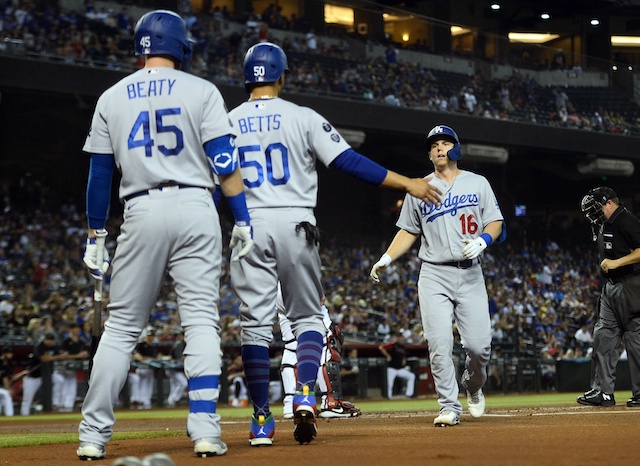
(597, 398)
(634, 401)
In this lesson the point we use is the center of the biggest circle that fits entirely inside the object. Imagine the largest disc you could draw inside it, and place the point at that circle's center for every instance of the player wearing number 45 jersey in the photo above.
(451, 284)
(166, 131)
(279, 144)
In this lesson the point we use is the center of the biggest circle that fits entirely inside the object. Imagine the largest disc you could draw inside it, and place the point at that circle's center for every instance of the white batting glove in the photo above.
(474, 247)
(379, 266)
(90, 259)
(241, 241)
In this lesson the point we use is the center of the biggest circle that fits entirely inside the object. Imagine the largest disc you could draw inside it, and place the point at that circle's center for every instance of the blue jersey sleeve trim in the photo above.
(222, 154)
(238, 205)
(217, 195)
(360, 167)
(101, 169)
(503, 234)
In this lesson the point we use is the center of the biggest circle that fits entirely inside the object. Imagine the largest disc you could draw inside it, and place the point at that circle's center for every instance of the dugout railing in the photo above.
(508, 373)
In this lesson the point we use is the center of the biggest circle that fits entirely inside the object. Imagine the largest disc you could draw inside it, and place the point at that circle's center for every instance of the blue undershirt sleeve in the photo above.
(360, 167)
(99, 189)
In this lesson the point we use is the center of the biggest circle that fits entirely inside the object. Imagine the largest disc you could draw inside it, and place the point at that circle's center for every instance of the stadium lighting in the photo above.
(545, 16)
(595, 22)
(625, 41)
(495, 6)
(531, 38)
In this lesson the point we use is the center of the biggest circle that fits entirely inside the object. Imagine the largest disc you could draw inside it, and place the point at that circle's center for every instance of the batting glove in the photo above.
(474, 247)
(379, 266)
(90, 259)
(241, 241)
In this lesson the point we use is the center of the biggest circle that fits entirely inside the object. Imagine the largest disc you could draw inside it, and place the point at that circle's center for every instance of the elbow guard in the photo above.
(222, 154)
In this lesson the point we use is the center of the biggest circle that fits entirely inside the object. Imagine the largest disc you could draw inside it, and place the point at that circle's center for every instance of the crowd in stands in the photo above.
(541, 293)
(104, 38)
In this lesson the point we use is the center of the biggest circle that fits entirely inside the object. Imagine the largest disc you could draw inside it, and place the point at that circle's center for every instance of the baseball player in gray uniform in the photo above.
(279, 144)
(451, 285)
(166, 131)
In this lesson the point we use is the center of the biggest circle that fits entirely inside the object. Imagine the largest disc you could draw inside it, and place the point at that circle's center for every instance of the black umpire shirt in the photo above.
(619, 236)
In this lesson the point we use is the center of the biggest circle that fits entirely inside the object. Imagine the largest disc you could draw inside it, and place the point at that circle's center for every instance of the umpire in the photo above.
(617, 233)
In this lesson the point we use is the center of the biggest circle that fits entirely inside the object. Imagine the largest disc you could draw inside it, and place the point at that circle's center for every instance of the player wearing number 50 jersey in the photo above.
(166, 131)
(279, 144)
(451, 285)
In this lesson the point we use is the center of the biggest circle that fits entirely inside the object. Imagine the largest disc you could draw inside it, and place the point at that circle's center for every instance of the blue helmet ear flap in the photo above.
(455, 153)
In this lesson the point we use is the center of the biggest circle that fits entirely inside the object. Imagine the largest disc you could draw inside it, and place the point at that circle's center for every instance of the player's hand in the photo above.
(422, 189)
(379, 266)
(90, 259)
(241, 241)
(474, 247)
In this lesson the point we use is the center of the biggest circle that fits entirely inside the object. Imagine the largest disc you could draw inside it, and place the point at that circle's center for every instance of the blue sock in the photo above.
(255, 361)
(309, 350)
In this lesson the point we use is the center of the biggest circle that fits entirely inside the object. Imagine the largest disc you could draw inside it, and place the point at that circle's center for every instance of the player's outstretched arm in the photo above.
(417, 187)
(365, 169)
(401, 243)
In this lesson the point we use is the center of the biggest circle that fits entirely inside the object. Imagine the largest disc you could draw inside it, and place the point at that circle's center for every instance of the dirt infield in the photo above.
(571, 435)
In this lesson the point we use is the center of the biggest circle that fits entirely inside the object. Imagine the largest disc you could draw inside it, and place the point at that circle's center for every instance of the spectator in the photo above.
(44, 353)
(6, 379)
(395, 353)
(65, 383)
(470, 101)
(175, 372)
(238, 393)
(145, 352)
(312, 41)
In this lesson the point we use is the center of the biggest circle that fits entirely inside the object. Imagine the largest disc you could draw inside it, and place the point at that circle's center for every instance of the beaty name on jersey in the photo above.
(151, 88)
(260, 123)
(449, 205)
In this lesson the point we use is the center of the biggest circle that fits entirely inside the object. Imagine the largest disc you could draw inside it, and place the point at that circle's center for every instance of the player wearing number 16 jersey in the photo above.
(451, 284)
(279, 144)
(166, 131)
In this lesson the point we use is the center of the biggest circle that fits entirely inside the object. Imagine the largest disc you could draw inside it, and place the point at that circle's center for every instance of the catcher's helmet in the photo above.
(264, 63)
(163, 32)
(592, 202)
(446, 132)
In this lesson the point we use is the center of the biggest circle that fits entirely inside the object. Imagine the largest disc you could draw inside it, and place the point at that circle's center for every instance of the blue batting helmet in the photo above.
(264, 63)
(163, 32)
(446, 132)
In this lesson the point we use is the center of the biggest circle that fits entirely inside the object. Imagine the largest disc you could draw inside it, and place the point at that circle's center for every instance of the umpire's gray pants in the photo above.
(614, 324)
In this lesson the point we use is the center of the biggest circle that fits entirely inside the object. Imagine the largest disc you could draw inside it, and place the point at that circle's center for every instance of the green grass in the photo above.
(430, 403)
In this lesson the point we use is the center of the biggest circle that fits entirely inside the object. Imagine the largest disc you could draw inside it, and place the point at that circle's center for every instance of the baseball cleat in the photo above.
(262, 431)
(90, 451)
(634, 401)
(597, 398)
(304, 416)
(344, 409)
(446, 419)
(209, 447)
(476, 403)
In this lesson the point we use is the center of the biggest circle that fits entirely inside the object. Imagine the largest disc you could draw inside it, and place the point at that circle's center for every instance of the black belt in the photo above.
(465, 264)
(147, 191)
